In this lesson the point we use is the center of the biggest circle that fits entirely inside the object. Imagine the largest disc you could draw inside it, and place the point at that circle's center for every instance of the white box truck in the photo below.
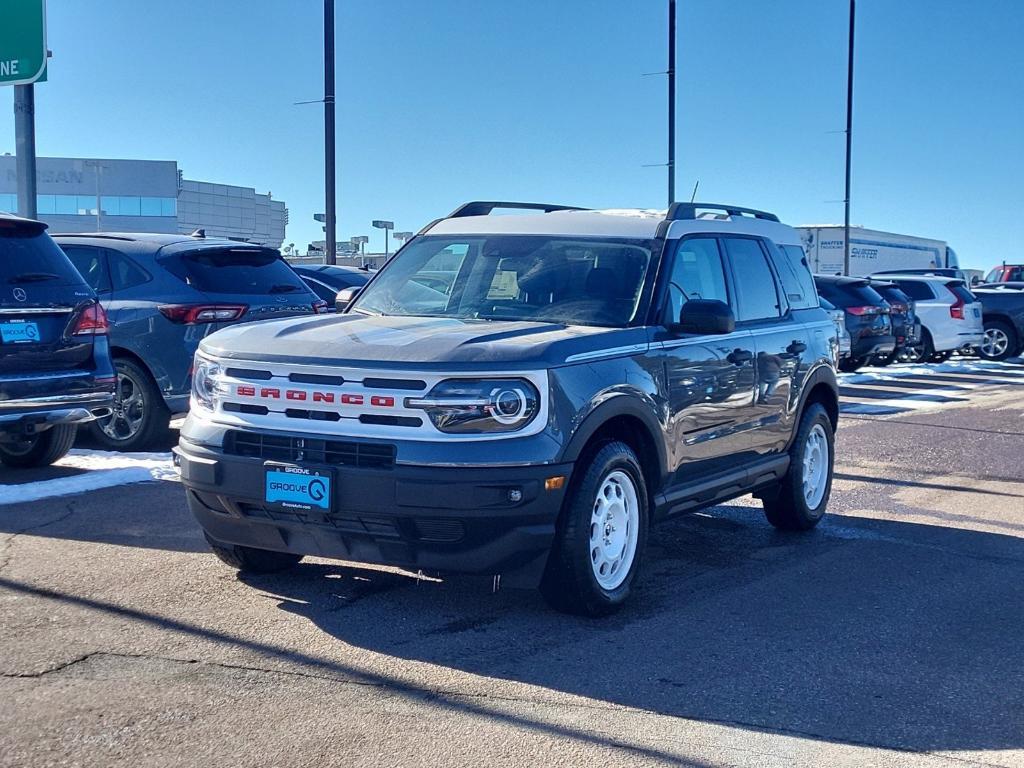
(872, 251)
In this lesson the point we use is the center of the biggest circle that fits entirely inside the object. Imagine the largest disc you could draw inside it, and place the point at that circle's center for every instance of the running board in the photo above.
(714, 490)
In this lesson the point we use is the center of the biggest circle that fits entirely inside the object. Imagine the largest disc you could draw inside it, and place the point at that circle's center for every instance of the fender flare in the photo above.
(822, 373)
(618, 405)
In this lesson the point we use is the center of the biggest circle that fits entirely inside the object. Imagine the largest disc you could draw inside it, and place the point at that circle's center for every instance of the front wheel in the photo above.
(799, 502)
(601, 536)
(41, 449)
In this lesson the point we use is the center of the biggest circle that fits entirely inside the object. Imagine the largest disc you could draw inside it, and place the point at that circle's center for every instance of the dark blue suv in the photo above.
(55, 369)
(164, 294)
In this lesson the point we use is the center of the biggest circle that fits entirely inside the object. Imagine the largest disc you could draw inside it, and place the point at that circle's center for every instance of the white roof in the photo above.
(613, 222)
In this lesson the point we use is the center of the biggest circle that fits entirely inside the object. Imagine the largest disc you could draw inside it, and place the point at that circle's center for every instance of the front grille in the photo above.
(313, 450)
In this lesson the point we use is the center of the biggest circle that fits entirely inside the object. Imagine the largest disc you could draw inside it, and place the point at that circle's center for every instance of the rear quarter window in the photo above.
(795, 274)
(962, 292)
(240, 271)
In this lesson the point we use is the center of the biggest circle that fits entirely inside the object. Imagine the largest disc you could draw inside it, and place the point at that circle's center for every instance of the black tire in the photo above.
(154, 424)
(40, 450)
(923, 352)
(851, 364)
(883, 360)
(570, 584)
(1012, 342)
(940, 357)
(250, 560)
(786, 506)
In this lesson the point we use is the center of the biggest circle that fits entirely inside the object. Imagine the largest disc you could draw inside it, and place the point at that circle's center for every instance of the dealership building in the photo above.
(79, 195)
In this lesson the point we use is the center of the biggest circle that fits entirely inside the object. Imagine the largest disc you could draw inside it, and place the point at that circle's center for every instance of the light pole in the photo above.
(360, 241)
(849, 139)
(387, 226)
(329, 172)
(404, 237)
(97, 167)
(671, 101)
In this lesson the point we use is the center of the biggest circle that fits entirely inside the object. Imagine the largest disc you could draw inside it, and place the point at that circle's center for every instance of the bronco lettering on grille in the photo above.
(271, 393)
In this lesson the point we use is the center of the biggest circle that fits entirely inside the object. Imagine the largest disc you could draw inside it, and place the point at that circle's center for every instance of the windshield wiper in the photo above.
(33, 277)
(284, 288)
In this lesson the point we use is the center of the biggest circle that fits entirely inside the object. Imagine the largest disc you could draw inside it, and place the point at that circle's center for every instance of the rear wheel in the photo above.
(1000, 341)
(139, 417)
(799, 501)
(601, 536)
(851, 364)
(40, 449)
(251, 560)
(922, 352)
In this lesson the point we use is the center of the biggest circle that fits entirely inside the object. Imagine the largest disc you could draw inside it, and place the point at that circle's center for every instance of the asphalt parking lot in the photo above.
(889, 636)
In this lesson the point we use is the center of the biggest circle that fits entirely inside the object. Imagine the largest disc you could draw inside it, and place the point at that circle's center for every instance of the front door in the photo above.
(710, 379)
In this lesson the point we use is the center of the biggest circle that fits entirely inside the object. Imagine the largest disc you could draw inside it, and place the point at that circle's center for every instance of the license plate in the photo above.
(298, 488)
(19, 332)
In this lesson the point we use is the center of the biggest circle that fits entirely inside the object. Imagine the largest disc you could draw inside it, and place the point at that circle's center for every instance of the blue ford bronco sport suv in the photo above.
(55, 369)
(524, 396)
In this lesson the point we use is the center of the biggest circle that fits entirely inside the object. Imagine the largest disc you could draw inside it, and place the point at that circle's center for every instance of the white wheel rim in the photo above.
(816, 464)
(994, 343)
(614, 525)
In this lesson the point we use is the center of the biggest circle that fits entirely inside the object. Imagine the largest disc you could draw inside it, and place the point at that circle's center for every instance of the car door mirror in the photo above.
(345, 297)
(705, 317)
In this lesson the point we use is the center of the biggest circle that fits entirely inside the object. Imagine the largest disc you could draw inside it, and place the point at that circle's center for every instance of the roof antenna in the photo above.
(694, 195)
(199, 233)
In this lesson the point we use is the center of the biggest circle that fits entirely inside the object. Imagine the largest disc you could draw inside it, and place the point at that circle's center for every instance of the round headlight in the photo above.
(508, 406)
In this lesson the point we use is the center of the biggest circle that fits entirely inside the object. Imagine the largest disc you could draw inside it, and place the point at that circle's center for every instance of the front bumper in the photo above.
(422, 518)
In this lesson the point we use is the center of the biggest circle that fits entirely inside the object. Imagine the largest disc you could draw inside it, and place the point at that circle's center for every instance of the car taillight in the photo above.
(92, 322)
(867, 310)
(956, 309)
(195, 314)
(320, 307)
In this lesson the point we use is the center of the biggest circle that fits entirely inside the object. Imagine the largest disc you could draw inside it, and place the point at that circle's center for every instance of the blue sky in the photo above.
(450, 100)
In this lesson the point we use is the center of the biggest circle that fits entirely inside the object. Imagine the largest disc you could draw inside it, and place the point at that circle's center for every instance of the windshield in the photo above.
(573, 281)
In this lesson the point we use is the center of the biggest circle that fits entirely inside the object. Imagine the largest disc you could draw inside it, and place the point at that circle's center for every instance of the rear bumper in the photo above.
(34, 414)
(866, 346)
(429, 518)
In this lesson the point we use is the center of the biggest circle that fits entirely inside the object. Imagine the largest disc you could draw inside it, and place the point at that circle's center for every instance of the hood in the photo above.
(403, 341)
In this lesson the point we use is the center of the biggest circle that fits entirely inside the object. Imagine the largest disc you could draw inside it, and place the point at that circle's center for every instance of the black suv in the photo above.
(523, 396)
(55, 370)
(868, 318)
(163, 294)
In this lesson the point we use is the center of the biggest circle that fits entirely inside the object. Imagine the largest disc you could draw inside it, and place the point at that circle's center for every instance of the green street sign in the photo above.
(22, 41)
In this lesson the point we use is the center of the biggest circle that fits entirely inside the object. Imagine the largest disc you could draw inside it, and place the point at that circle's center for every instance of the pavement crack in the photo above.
(59, 668)
(8, 542)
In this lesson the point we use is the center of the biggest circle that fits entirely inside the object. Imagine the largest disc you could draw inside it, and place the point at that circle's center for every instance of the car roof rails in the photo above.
(484, 208)
(96, 236)
(685, 211)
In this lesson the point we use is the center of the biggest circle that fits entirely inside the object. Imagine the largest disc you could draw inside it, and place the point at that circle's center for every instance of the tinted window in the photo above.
(28, 255)
(325, 292)
(124, 273)
(235, 271)
(574, 281)
(756, 296)
(795, 274)
(892, 295)
(961, 292)
(91, 264)
(697, 273)
(918, 291)
(853, 294)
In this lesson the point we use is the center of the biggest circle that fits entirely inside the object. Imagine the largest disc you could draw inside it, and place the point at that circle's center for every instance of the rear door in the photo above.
(41, 296)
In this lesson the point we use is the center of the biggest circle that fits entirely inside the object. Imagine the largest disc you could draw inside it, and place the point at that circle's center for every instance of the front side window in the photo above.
(539, 278)
(697, 273)
(756, 296)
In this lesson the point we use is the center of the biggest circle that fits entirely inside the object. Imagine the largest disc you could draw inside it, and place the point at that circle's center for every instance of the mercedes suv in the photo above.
(55, 368)
(524, 395)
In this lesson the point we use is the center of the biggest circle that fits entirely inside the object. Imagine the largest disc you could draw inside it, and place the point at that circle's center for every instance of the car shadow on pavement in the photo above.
(890, 634)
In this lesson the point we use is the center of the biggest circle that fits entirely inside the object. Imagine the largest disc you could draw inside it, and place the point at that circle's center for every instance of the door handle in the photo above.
(740, 356)
(796, 347)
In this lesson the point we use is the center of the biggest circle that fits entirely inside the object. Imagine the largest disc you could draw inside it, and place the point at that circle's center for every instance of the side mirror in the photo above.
(345, 297)
(706, 317)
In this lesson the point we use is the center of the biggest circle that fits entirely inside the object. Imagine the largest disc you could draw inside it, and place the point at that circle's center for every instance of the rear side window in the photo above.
(29, 257)
(917, 290)
(961, 292)
(756, 296)
(91, 264)
(124, 273)
(795, 274)
(235, 271)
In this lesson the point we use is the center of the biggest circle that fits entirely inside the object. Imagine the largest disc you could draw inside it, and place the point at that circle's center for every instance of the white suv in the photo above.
(951, 316)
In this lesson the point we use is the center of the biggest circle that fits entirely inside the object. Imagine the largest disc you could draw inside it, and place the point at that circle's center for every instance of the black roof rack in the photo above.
(484, 207)
(682, 211)
(95, 236)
